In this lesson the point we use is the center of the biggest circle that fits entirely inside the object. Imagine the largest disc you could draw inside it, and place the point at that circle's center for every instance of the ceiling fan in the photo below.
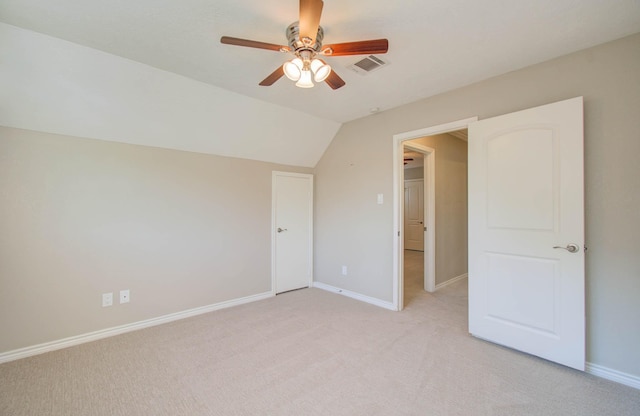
(305, 43)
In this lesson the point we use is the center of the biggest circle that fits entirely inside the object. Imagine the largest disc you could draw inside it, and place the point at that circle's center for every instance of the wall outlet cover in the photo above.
(107, 299)
(124, 296)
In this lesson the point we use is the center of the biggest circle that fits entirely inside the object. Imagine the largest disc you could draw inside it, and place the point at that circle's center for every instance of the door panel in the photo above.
(292, 230)
(520, 182)
(530, 301)
(414, 215)
(525, 198)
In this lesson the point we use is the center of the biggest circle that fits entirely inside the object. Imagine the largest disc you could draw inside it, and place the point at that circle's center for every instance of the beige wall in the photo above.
(451, 205)
(82, 217)
(414, 173)
(352, 229)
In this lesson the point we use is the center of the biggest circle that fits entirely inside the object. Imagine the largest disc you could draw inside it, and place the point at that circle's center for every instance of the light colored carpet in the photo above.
(307, 352)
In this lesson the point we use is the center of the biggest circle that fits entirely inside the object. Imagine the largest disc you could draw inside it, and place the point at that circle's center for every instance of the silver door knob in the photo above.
(571, 248)
(281, 229)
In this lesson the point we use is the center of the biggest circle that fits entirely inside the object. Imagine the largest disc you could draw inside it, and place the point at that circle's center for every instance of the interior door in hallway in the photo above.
(526, 231)
(414, 214)
(292, 231)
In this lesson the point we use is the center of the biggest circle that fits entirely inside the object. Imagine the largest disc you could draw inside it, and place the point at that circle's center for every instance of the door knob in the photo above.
(281, 229)
(571, 248)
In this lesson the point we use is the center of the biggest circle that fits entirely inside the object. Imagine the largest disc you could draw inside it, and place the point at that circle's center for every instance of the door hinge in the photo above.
(398, 233)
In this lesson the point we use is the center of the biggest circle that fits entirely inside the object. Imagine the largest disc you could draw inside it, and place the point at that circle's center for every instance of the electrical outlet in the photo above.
(344, 270)
(107, 299)
(124, 296)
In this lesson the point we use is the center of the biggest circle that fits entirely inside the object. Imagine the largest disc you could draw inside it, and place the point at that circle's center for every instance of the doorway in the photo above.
(527, 291)
(419, 227)
(408, 140)
(448, 256)
(414, 214)
(292, 231)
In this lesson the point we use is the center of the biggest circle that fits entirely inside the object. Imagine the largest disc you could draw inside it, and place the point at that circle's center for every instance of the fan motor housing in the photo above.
(296, 44)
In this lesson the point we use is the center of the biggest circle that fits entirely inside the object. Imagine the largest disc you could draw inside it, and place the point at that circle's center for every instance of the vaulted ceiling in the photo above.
(434, 45)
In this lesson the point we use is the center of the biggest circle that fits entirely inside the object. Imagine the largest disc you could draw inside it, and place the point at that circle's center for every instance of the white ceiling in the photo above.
(417, 159)
(435, 45)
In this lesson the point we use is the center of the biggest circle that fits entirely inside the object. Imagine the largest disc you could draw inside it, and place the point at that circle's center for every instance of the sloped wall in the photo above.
(56, 86)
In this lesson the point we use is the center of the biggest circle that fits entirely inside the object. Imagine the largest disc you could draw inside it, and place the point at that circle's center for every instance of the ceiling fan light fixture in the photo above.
(320, 70)
(305, 41)
(305, 79)
(293, 69)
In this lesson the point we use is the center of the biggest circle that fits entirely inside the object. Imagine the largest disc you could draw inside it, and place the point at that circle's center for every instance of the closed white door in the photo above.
(526, 231)
(292, 223)
(414, 214)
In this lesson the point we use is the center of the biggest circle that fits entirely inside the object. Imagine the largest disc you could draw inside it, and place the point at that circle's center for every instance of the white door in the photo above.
(292, 223)
(526, 231)
(414, 214)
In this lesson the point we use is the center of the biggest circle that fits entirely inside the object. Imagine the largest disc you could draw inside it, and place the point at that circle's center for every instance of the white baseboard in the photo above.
(354, 295)
(109, 332)
(452, 281)
(613, 375)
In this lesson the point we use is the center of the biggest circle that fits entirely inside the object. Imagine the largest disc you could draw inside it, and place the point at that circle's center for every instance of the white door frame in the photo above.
(398, 200)
(429, 214)
(274, 175)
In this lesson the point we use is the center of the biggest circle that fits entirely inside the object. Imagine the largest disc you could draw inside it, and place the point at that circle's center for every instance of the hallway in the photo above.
(454, 296)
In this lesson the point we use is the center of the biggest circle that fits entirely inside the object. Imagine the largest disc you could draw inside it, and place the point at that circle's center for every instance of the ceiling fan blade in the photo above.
(334, 80)
(310, 12)
(227, 40)
(364, 47)
(273, 77)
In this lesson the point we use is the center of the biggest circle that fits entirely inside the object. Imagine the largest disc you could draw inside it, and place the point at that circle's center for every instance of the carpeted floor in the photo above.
(307, 352)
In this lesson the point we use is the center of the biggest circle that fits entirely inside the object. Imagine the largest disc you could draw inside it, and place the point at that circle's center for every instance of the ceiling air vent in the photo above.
(368, 64)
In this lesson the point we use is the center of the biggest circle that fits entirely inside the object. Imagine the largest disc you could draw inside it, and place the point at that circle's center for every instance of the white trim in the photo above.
(439, 129)
(273, 232)
(451, 281)
(397, 202)
(117, 330)
(356, 296)
(429, 192)
(309, 176)
(613, 375)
